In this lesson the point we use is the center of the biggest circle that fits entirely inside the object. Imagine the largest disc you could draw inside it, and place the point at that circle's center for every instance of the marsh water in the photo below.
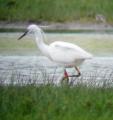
(22, 63)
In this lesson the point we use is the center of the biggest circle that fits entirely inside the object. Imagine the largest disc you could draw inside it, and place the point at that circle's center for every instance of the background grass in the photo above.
(55, 10)
(55, 103)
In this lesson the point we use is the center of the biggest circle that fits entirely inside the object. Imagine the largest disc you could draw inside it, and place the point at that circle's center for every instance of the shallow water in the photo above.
(21, 63)
(33, 69)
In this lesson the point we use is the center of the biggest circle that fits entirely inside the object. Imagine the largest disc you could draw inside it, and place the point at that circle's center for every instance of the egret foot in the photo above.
(65, 80)
(79, 74)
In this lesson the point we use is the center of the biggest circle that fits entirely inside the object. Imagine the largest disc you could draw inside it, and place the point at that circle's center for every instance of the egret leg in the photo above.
(78, 71)
(66, 76)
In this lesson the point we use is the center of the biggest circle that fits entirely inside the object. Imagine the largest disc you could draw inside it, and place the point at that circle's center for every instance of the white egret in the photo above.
(64, 53)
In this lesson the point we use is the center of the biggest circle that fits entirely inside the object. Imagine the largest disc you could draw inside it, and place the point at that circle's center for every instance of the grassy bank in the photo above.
(55, 10)
(55, 103)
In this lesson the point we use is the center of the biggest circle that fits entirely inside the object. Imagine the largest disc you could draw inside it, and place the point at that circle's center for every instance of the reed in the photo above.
(55, 11)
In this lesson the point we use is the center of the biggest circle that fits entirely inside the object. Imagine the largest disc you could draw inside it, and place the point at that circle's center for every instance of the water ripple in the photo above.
(39, 70)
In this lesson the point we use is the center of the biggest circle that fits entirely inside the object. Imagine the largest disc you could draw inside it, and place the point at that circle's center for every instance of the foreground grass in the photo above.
(55, 103)
(55, 10)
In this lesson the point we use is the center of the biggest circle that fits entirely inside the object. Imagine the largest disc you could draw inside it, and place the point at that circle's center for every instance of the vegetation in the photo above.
(55, 103)
(55, 10)
(47, 102)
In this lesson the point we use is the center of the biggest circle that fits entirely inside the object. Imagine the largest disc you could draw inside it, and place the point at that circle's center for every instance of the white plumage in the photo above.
(67, 53)
(63, 53)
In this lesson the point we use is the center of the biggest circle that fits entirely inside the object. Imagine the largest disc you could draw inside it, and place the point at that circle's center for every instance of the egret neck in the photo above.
(44, 48)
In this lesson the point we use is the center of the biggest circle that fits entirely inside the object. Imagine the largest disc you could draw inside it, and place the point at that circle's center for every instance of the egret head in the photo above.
(33, 28)
(30, 29)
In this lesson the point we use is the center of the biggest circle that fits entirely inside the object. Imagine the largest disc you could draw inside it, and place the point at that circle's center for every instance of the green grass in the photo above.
(55, 103)
(55, 10)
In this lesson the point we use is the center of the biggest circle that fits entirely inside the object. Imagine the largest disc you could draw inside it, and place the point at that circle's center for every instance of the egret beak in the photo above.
(23, 35)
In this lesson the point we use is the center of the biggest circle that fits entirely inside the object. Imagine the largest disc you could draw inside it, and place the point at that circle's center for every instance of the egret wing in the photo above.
(67, 52)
